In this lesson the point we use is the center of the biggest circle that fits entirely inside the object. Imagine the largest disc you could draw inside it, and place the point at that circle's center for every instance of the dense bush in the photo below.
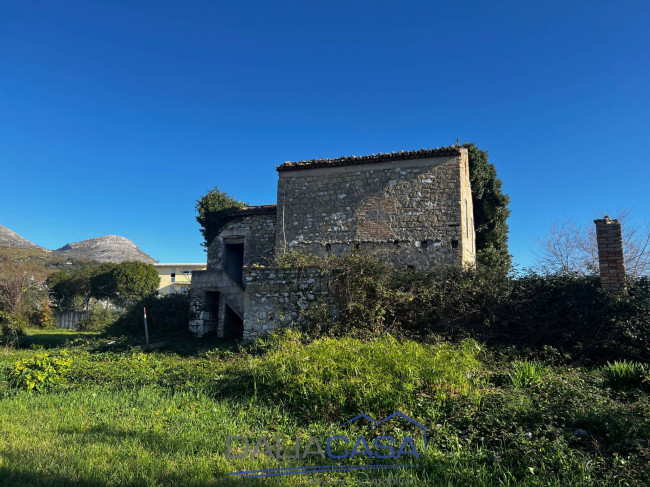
(12, 324)
(99, 318)
(43, 316)
(214, 210)
(166, 315)
(566, 311)
(331, 377)
(41, 372)
(123, 284)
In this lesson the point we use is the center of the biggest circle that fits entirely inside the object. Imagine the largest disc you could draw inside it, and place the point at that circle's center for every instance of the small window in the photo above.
(187, 271)
(454, 244)
(357, 246)
(424, 244)
(396, 243)
(171, 290)
(173, 276)
(328, 247)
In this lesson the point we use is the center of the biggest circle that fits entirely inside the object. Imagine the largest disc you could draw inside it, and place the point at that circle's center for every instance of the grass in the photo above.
(526, 374)
(127, 417)
(627, 374)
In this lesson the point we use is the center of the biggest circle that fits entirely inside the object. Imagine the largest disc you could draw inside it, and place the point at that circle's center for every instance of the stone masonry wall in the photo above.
(257, 231)
(275, 297)
(409, 211)
(610, 254)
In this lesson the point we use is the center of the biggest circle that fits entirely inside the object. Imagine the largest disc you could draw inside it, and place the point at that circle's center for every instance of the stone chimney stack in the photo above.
(610, 254)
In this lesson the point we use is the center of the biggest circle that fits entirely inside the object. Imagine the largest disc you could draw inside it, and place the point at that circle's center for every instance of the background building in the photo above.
(176, 278)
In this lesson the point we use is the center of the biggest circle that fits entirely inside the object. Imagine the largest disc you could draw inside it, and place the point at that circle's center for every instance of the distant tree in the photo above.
(213, 211)
(73, 291)
(14, 282)
(490, 210)
(60, 290)
(102, 283)
(20, 294)
(570, 247)
(42, 316)
(134, 281)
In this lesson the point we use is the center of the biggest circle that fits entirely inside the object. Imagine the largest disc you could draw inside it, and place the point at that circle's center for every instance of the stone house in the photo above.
(409, 208)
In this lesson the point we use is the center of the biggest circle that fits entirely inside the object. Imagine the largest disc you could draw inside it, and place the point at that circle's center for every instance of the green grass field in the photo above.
(114, 415)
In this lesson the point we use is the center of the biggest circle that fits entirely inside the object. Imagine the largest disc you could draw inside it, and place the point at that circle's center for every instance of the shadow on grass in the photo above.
(54, 338)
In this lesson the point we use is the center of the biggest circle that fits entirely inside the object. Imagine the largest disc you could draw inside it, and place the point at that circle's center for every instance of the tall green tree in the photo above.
(134, 281)
(490, 211)
(214, 210)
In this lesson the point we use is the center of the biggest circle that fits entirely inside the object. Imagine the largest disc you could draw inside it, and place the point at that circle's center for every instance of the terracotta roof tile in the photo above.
(354, 160)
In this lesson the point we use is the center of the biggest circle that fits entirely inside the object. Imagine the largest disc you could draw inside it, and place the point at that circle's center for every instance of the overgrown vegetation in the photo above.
(214, 209)
(122, 284)
(331, 378)
(567, 311)
(627, 374)
(490, 211)
(124, 417)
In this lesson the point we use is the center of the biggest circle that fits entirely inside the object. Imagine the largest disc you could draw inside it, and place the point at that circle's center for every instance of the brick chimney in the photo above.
(610, 254)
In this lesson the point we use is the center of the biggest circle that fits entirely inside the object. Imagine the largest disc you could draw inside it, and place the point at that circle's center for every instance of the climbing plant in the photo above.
(490, 210)
(214, 209)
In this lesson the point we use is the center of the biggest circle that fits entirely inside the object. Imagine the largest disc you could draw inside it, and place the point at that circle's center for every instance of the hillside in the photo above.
(12, 239)
(40, 262)
(109, 248)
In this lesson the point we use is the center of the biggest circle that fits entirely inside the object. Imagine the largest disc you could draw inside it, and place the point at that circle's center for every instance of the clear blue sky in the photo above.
(116, 116)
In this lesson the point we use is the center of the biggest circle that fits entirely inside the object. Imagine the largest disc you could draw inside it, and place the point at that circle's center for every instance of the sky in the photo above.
(115, 117)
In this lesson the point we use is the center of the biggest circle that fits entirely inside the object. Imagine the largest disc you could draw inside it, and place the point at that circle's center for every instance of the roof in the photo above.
(257, 210)
(453, 150)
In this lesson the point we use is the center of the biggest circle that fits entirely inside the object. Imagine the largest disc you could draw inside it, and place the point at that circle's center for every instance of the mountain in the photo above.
(12, 239)
(110, 248)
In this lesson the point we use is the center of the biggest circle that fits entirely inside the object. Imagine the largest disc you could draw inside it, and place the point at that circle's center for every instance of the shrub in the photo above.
(98, 318)
(526, 374)
(329, 377)
(214, 210)
(626, 374)
(43, 316)
(166, 315)
(41, 371)
(12, 324)
(568, 312)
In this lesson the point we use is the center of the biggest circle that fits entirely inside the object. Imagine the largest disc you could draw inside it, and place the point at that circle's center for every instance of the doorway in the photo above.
(233, 325)
(234, 261)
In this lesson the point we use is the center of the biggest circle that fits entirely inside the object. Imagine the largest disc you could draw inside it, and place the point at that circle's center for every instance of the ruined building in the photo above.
(410, 208)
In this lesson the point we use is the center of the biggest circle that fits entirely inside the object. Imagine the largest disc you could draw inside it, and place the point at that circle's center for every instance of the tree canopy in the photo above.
(123, 284)
(214, 210)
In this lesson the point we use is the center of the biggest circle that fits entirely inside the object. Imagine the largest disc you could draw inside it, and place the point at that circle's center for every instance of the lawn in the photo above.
(118, 415)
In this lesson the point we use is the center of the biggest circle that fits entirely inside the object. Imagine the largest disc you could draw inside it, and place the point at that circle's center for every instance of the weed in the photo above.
(526, 374)
(626, 374)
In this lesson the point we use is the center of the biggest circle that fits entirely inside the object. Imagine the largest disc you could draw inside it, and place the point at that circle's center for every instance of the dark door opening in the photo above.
(212, 306)
(233, 325)
(234, 261)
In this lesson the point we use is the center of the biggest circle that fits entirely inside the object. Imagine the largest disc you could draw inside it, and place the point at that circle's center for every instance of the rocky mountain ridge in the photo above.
(108, 248)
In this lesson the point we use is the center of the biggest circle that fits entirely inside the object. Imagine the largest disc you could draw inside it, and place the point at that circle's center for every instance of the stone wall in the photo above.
(255, 227)
(275, 297)
(410, 211)
(227, 292)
